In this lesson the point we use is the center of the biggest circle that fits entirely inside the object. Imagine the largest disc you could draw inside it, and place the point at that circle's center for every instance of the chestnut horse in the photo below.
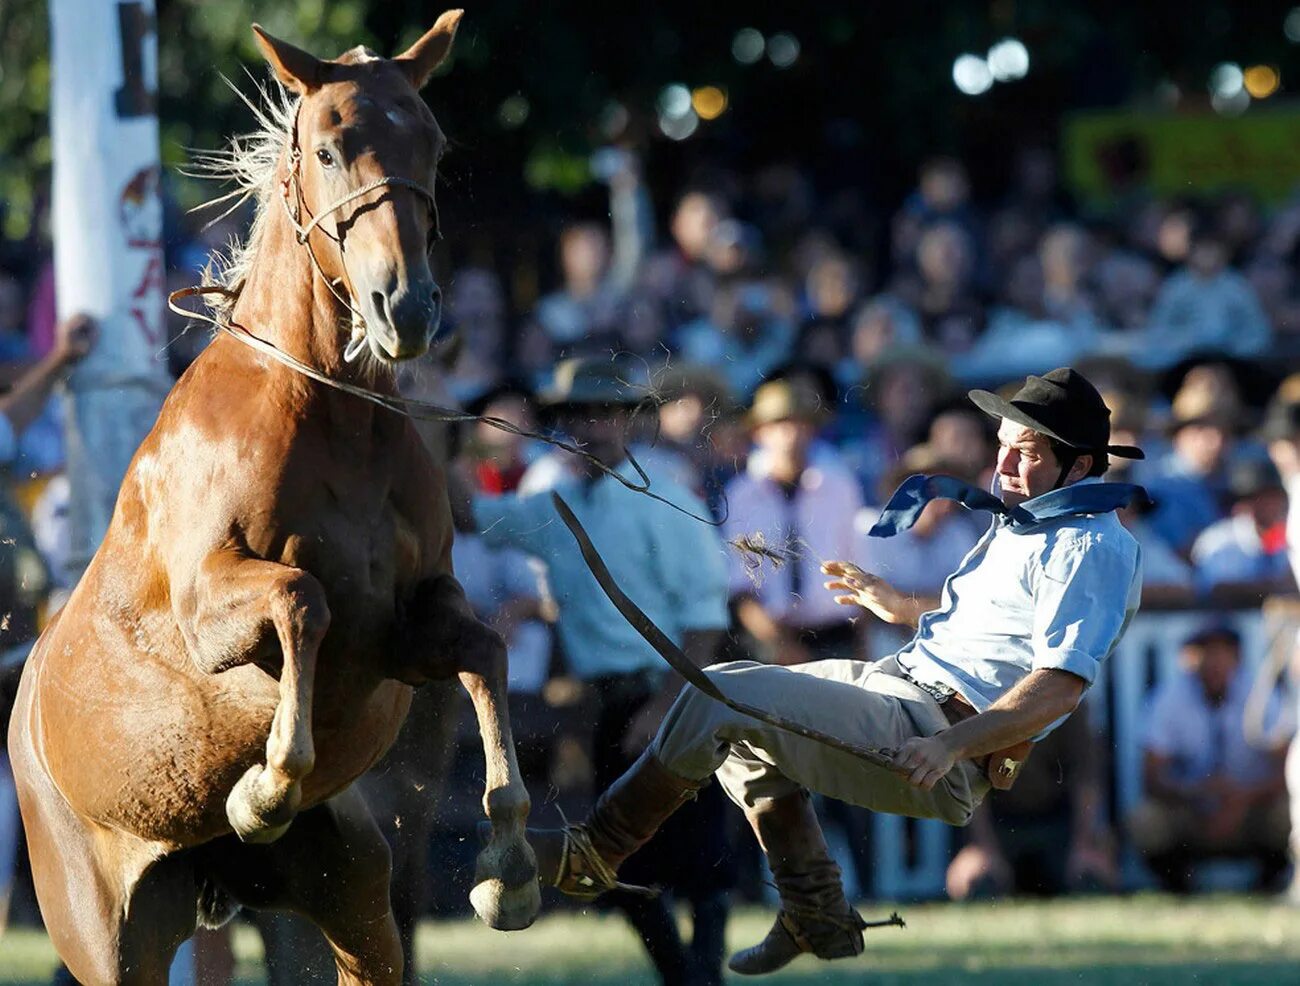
(276, 577)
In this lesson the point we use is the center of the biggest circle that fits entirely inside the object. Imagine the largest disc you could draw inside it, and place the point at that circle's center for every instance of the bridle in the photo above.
(291, 188)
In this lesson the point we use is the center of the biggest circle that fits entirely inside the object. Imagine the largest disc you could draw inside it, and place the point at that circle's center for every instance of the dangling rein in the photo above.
(409, 406)
(687, 668)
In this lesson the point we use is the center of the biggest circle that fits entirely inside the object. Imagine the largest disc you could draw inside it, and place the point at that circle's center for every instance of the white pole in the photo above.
(107, 242)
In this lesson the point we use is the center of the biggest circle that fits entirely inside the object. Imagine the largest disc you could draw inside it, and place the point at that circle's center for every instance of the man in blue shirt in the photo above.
(675, 567)
(1017, 635)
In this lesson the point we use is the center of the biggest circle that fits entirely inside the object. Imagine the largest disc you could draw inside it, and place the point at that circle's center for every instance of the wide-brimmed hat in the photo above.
(1062, 405)
(587, 380)
(679, 380)
(1251, 477)
(785, 399)
(1201, 406)
(1282, 419)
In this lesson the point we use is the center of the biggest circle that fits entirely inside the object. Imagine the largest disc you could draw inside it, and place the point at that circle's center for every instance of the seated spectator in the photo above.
(1245, 553)
(1208, 792)
(1186, 482)
(959, 433)
(899, 392)
(1016, 836)
(801, 503)
(693, 401)
(747, 334)
(499, 458)
(1206, 305)
(942, 195)
(1066, 256)
(942, 295)
(1028, 333)
(916, 561)
(1127, 284)
(881, 325)
(585, 313)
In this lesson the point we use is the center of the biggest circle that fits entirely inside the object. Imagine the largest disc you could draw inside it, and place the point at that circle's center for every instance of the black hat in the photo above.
(1282, 422)
(1251, 477)
(1061, 405)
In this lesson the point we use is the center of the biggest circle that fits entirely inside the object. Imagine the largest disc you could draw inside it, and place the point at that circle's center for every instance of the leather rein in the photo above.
(291, 189)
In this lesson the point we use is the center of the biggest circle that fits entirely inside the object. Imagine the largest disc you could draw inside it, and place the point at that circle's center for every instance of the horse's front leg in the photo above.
(239, 609)
(444, 637)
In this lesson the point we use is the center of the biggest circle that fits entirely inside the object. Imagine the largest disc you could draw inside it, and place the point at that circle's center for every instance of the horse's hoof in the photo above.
(506, 895)
(503, 909)
(256, 814)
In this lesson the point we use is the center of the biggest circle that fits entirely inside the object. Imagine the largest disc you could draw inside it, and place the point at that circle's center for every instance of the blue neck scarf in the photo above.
(905, 506)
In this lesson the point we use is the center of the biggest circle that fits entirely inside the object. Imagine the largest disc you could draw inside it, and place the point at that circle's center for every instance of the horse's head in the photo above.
(360, 176)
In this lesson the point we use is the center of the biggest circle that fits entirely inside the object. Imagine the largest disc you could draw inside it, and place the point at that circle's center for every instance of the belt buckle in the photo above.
(940, 693)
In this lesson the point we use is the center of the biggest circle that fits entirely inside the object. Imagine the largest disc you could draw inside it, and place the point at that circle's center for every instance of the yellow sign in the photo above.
(1110, 156)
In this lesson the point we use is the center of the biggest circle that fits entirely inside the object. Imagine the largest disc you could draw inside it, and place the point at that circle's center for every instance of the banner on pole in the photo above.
(108, 259)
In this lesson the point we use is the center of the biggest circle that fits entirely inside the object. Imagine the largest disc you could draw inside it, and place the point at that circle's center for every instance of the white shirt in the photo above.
(821, 515)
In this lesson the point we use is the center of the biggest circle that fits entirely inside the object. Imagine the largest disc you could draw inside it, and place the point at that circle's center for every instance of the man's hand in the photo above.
(74, 338)
(872, 593)
(925, 759)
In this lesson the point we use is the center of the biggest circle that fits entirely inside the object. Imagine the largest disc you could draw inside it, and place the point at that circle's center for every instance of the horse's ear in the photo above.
(298, 70)
(419, 60)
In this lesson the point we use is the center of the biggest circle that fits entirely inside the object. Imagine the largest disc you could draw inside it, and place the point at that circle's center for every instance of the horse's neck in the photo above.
(286, 301)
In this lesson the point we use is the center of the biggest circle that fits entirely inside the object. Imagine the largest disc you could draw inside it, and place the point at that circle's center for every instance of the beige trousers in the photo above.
(869, 704)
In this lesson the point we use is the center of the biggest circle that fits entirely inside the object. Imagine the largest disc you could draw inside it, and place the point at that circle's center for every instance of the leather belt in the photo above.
(1001, 767)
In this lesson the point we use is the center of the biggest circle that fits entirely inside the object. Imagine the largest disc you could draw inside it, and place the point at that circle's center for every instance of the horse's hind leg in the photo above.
(114, 908)
(331, 866)
(237, 601)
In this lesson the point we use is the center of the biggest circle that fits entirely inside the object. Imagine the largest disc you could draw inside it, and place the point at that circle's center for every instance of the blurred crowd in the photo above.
(779, 375)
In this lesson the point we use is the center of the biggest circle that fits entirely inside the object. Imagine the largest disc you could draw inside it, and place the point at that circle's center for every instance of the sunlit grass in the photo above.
(1148, 939)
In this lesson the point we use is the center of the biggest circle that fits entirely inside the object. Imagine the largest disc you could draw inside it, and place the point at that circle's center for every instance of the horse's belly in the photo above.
(155, 750)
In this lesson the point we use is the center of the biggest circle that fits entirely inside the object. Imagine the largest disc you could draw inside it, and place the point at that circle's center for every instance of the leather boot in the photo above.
(582, 860)
(815, 915)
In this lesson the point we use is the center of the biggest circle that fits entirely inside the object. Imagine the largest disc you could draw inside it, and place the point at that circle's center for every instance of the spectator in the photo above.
(1187, 483)
(679, 277)
(802, 500)
(1016, 836)
(917, 561)
(899, 392)
(1245, 553)
(748, 334)
(1207, 305)
(1208, 792)
(23, 576)
(941, 294)
(585, 313)
(693, 402)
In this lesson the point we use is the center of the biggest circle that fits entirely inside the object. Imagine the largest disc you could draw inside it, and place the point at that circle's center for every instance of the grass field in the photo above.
(1146, 939)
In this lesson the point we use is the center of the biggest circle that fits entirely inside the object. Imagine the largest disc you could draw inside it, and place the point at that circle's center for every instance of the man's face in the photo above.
(601, 430)
(788, 439)
(1214, 661)
(1027, 466)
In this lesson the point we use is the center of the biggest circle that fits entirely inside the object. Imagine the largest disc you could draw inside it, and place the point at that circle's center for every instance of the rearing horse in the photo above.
(276, 577)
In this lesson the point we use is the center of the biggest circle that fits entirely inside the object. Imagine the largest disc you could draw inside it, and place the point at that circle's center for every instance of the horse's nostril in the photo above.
(435, 295)
(380, 301)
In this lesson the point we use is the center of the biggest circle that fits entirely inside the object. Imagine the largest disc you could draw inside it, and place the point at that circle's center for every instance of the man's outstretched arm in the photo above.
(1037, 701)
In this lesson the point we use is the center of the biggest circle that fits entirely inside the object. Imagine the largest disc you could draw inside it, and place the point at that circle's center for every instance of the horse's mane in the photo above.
(248, 162)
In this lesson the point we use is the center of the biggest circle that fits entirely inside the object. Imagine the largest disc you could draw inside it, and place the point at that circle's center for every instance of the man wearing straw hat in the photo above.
(1020, 631)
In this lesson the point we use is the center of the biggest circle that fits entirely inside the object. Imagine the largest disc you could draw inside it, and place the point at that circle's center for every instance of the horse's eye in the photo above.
(325, 158)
